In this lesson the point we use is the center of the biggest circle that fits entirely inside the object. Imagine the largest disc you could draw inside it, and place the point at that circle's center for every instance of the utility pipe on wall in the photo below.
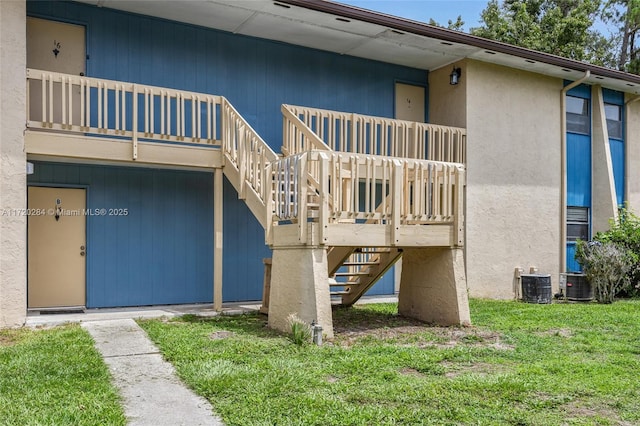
(563, 167)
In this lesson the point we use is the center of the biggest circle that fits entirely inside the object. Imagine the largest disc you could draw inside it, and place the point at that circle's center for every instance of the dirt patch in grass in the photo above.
(580, 410)
(479, 368)
(221, 334)
(411, 372)
(424, 336)
(561, 332)
(332, 379)
(7, 338)
(449, 337)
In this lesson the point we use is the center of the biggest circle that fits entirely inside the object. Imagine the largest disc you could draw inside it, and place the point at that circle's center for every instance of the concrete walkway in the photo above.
(152, 393)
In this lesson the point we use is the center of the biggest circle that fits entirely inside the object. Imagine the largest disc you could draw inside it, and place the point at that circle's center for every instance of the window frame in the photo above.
(584, 118)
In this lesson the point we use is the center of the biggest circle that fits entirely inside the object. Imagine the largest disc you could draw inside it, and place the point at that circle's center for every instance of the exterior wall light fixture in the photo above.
(454, 77)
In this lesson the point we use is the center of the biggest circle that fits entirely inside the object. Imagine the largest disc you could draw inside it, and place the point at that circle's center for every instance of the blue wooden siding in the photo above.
(244, 249)
(256, 75)
(386, 284)
(162, 251)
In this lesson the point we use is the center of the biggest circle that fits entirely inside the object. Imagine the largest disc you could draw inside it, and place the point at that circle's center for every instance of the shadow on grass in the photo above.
(356, 318)
(370, 317)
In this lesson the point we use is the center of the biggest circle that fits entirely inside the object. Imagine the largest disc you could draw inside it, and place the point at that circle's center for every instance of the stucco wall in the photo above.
(513, 177)
(447, 103)
(632, 140)
(13, 288)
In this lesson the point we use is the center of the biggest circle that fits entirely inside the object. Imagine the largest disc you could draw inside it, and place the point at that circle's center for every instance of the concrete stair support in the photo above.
(433, 286)
(300, 286)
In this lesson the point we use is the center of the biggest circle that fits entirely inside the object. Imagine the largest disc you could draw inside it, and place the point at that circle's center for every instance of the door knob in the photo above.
(81, 247)
(81, 253)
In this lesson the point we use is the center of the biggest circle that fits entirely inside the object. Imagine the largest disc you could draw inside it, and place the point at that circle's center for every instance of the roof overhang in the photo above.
(349, 30)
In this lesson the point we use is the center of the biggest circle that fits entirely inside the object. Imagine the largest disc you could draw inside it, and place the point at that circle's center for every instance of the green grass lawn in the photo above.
(520, 364)
(55, 377)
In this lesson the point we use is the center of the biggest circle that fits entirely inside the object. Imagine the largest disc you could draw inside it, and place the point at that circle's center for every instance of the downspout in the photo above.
(626, 144)
(563, 167)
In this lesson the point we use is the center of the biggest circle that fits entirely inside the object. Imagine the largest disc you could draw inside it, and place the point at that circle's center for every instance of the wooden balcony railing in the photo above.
(85, 105)
(105, 108)
(341, 168)
(333, 187)
(361, 134)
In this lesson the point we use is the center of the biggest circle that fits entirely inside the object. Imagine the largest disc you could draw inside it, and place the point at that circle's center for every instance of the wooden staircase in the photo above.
(350, 195)
(352, 276)
(352, 270)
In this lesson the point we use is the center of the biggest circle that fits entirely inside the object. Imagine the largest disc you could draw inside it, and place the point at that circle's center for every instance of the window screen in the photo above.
(614, 120)
(578, 115)
(577, 223)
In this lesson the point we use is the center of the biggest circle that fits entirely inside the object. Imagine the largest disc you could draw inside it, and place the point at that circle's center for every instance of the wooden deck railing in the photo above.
(85, 105)
(361, 134)
(332, 187)
(359, 182)
(98, 107)
(248, 153)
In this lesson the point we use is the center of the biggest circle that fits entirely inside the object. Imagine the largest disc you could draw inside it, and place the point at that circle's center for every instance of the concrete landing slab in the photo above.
(152, 393)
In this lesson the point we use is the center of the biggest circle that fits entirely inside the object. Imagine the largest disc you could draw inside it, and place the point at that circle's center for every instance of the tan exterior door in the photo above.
(59, 47)
(410, 102)
(56, 244)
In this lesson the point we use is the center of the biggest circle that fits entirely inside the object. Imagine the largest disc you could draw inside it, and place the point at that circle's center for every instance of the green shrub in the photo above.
(607, 266)
(625, 234)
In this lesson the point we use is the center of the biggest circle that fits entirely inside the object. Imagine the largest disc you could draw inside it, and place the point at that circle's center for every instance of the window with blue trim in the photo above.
(577, 223)
(578, 119)
(614, 120)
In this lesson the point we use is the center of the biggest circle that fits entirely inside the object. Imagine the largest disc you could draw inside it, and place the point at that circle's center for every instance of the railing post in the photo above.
(269, 194)
(458, 220)
(301, 194)
(397, 197)
(323, 213)
(134, 130)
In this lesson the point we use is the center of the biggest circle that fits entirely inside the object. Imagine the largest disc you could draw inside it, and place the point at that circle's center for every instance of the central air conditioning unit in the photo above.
(576, 287)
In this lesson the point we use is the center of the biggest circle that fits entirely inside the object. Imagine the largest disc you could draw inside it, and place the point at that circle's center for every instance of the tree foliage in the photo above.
(611, 260)
(559, 27)
(457, 25)
(624, 15)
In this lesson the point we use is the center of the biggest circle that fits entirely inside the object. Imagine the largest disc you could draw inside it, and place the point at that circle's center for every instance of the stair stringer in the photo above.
(385, 261)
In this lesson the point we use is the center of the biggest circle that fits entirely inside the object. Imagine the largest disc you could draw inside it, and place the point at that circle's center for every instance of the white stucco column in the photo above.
(433, 287)
(603, 192)
(300, 285)
(13, 228)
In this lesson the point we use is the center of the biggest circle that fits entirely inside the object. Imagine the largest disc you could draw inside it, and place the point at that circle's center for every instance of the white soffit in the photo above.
(304, 27)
